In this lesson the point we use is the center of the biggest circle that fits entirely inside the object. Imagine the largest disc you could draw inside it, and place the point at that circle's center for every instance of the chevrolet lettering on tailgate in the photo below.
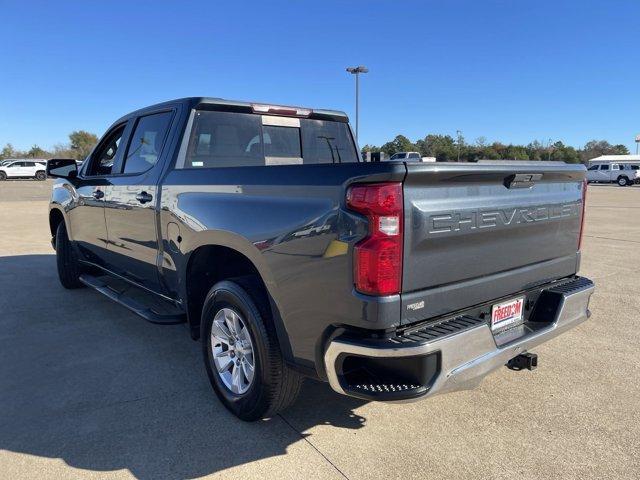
(470, 220)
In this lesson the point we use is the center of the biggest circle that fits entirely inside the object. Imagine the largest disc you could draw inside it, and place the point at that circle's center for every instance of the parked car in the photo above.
(23, 169)
(621, 173)
(409, 157)
(259, 227)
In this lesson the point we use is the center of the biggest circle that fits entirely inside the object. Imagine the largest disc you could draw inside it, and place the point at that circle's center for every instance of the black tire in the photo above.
(41, 175)
(274, 386)
(623, 181)
(3, 176)
(68, 267)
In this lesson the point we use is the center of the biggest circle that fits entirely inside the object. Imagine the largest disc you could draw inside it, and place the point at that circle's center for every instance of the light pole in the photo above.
(458, 133)
(357, 71)
(637, 143)
(549, 148)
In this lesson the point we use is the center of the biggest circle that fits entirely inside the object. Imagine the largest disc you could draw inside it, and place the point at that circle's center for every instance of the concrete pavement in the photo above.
(88, 390)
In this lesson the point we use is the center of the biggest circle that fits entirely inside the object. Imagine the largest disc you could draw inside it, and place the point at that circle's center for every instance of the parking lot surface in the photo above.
(89, 390)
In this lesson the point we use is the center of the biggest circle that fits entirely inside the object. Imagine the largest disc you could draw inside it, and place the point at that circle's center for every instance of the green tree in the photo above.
(564, 153)
(536, 150)
(398, 144)
(489, 153)
(370, 148)
(621, 149)
(63, 151)
(82, 142)
(443, 147)
(596, 148)
(516, 152)
(37, 152)
(8, 152)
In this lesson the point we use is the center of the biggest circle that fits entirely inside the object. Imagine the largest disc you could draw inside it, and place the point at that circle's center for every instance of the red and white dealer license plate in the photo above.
(506, 313)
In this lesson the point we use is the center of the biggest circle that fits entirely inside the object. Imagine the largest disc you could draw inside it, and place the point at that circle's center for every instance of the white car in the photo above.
(621, 173)
(24, 169)
(410, 157)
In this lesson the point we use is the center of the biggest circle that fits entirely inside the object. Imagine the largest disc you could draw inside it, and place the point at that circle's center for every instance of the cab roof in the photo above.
(212, 103)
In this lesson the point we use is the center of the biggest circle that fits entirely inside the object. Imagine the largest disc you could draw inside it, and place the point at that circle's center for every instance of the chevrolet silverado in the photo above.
(259, 227)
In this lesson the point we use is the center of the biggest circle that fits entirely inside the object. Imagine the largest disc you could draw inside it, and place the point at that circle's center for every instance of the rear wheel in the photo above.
(40, 175)
(68, 267)
(241, 352)
(622, 181)
(3, 176)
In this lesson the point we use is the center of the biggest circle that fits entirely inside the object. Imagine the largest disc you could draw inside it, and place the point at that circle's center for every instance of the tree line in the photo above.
(443, 147)
(80, 145)
(447, 149)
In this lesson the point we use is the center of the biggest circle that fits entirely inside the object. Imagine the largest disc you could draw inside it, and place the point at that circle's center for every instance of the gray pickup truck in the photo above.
(259, 228)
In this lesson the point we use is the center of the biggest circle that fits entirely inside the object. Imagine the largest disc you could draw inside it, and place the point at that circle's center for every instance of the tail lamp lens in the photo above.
(378, 257)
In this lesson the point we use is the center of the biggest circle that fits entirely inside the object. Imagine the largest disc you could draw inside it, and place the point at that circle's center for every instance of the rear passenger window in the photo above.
(146, 142)
(227, 139)
(604, 167)
(224, 139)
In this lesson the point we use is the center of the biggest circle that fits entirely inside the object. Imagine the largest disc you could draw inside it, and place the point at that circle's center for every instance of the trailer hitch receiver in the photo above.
(522, 361)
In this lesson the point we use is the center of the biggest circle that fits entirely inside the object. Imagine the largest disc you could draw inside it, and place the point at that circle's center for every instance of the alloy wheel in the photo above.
(232, 349)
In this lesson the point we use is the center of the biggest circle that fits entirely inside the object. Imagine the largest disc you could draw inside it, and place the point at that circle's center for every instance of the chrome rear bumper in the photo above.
(466, 357)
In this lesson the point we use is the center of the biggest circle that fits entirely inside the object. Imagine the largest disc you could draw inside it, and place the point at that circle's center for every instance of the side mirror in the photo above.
(62, 168)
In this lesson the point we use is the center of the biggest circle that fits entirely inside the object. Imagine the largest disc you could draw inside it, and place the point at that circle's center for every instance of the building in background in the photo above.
(615, 159)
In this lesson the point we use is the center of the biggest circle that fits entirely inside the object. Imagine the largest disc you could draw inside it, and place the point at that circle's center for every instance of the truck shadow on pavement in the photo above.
(84, 380)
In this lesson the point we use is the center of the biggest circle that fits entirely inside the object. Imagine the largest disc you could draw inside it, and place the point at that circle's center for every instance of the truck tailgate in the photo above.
(477, 232)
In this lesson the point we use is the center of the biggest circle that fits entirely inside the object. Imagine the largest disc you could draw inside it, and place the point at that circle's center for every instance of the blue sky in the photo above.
(507, 70)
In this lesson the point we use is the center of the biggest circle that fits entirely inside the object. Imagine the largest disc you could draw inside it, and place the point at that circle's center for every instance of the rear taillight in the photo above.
(584, 204)
(378, 257)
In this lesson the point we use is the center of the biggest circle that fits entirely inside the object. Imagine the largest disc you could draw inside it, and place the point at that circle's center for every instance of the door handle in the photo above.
(144, 197)
(98, 194)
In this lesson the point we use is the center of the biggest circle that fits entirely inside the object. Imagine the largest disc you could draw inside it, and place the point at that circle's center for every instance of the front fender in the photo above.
(63, 198)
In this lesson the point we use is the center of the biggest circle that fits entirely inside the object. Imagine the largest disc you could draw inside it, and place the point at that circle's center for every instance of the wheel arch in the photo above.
(56, 217)
(210, 263)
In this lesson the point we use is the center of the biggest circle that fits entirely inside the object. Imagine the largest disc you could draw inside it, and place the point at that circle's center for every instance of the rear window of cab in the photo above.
(229, 139)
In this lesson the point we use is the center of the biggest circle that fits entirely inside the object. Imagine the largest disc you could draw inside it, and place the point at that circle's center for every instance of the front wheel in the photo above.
(3, 176)
(41, 176)
(241, 352)
(622, 181)
(68, 267)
